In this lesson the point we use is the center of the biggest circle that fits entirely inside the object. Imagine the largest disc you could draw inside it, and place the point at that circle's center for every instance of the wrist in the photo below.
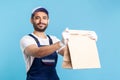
(61, 46)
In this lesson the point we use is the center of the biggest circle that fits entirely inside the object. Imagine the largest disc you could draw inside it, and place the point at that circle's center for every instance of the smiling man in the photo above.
(39, 49)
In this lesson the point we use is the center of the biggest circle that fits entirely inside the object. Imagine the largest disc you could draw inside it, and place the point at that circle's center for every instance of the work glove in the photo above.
(66, 36)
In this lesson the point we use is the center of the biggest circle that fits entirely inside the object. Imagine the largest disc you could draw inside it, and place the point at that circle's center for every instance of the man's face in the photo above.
(40, 21)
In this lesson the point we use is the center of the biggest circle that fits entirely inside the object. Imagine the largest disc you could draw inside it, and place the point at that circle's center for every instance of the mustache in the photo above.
(41, 23)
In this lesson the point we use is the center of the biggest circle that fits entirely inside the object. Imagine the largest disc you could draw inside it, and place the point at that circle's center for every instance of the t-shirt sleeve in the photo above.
(26, 41)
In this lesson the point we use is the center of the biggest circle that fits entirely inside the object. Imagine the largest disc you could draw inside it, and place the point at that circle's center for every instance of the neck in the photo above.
(40, 34)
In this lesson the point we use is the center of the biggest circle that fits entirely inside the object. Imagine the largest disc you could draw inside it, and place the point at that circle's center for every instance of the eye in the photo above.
(37, 17)
(45, 17)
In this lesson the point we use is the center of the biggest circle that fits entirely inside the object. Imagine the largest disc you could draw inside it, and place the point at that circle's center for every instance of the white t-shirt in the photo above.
(28, 40)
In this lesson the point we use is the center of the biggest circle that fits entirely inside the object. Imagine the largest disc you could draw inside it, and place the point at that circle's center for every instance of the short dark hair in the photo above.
(39, 9)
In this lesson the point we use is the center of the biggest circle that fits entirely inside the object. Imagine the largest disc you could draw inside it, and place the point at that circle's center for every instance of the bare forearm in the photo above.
(46, 50)
(35, 51)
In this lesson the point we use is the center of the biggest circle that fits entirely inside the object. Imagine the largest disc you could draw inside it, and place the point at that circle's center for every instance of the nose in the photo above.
(40, 19)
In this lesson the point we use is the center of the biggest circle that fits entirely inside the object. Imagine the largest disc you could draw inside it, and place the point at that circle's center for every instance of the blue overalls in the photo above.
(40, 68)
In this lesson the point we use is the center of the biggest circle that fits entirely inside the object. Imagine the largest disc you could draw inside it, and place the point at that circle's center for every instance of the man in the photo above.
(40, 50)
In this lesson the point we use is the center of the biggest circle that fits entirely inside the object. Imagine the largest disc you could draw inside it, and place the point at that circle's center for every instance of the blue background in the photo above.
(102, 16)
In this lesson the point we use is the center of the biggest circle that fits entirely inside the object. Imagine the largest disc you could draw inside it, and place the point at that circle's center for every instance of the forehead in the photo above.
(40, 14)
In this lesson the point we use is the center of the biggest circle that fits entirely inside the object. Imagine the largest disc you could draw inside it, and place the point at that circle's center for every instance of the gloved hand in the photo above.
(66, 36)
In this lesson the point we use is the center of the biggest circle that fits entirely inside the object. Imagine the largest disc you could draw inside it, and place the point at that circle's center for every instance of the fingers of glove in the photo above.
(66, 34)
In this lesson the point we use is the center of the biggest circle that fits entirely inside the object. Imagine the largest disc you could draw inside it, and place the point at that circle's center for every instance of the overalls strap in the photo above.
(50, 40)
(35, 39)
(43, 68)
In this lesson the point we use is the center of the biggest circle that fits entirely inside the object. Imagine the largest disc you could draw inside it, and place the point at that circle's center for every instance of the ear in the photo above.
(31, 21)
(48, 21)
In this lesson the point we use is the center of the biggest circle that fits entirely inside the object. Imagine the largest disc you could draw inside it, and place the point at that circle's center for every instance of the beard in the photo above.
(39, 28)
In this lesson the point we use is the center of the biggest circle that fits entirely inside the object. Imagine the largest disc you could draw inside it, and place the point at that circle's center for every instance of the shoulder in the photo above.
(26, 41)
(26, 38)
